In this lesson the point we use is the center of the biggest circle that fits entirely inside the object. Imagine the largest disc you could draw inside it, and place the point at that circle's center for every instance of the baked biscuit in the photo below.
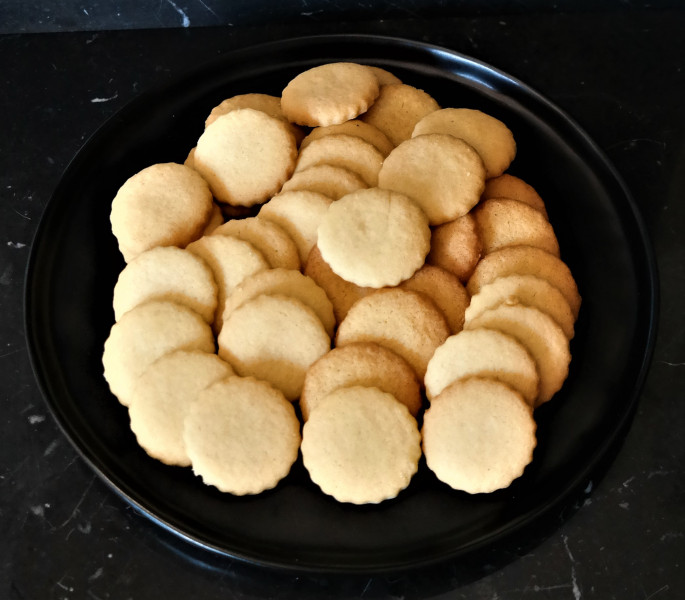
(329, 94)
(242, 436)
(275, 338)
(456, 247)
(355, 127)
(397, 110)
(162, 397)
(365, 364)
(245, 156)
(163, 205)
(216, 218)
(478, 436)
(143, 335)
(510, 186)
(384, 76)
(166, 273)
(361, 445)
(403, 321)
(483, 352)
(442, 174)
(374, 237)
(334, 182)
(491, 138)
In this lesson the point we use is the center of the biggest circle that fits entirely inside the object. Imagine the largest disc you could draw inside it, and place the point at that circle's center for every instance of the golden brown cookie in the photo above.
(384, 76)
(356, 128)
(456, 247)
(510, 186)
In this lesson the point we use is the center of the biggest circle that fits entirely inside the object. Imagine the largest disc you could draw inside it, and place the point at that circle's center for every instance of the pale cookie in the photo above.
(231, 261)
(445, 290)
(341, 150)
(274, 338)
(403, 321)
(528, 290)
(162, 398)
(242, 436)
(299, 214)
(478, 436)
(163, 205)
(216, 218)
(342, 294)
(361, 445)
(166, 273)
(365, 364)
(541, 336)
(246, 156)
(286, 282)
(277, 247)
(510, 186)
(384, 76)
(506, 222)
(144, 334)
(526, 260)
(483, 353)
(442, 174)
(329, 94)
(190, 158)
(374, 237)
(491, 138)
(357, 128)
(334, 182)
(397, 110)
(456, 247)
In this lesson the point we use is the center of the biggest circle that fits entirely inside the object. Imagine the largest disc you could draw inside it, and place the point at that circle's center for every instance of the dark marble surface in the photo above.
(65, 535)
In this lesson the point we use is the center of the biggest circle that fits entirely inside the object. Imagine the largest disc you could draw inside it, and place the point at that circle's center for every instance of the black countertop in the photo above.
(65, 534)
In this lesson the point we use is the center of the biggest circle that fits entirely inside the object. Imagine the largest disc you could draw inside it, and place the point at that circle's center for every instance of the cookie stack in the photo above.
(347, 273)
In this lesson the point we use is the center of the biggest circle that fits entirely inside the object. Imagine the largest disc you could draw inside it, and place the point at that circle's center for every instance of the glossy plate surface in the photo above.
(75, 262)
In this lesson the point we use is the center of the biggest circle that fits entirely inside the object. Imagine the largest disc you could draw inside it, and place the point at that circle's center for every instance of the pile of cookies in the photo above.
(347, 273)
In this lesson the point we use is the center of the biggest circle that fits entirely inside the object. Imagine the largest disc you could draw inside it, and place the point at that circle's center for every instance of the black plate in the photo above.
(74, 264)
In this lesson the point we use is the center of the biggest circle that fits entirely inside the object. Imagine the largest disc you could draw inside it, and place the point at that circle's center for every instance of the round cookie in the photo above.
(491, 138)
(274, 338)
(242, 436)
(216, 218)
(486, 353)
(299, 214)
(506, 222)
(365, 364)
(286, 282)
(329, 94)
(397, 110)
(163, 205)
(361, 445)
(526, 260)
(456, 247)
(478, 436)
(355, 127)
(510, 186)
(144, 334)
(442, 174)
(384, 76)
(374, 237)
(331, 181)
(166, 273)
(162, 398)
(403, 321)
(277, 247)
(540, 335)
(245, 156)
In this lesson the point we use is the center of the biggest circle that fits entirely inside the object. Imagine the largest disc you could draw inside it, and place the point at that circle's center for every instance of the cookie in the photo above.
(355, 127)
(491, 138)
(478, 436)
(216, 218)
(506, 222)
(456, 247)
(242, 436)
(166, 273)
(162, 398)
(526, 260)
(510, 186)
(486, 353)
(144, 334)
(442, 174)
(329, 94)
(275, 338)
(397, 110)
(540, 335)
(299, 214)
(163, 205)
(361, 445)
(384, 76)
(403, 321)
(334, 182)
(365, 364)
(245, 156)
